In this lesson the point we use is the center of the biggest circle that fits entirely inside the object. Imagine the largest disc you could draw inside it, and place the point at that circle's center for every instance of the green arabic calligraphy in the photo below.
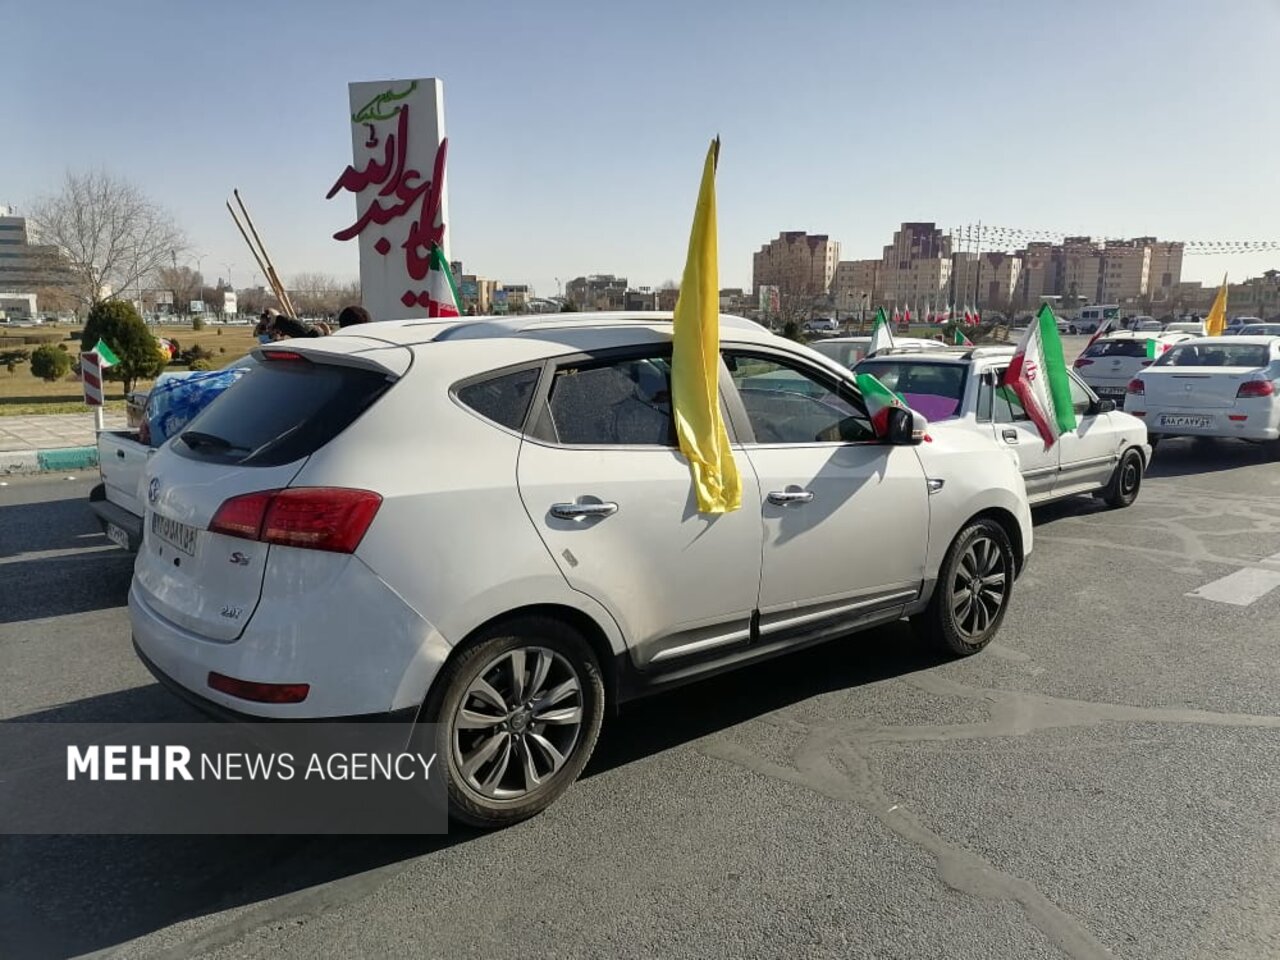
(373, 110)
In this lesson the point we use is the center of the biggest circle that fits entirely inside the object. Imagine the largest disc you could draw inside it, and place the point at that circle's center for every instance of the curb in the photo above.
(18, 462)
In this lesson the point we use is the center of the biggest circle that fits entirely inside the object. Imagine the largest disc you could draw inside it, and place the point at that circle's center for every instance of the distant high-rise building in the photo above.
(25, 266)
(916, 267)
(856, 284)
(986, 280)
(798, 263)
(599, 291)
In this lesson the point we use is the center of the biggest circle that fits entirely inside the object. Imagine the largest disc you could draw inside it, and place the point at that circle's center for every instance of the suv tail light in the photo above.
(1082, 362)
(1256, 388)
(1136, 386)
(314, 518)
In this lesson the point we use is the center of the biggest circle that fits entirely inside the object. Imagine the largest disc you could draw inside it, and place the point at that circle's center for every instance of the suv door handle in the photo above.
(785, 498)
(1010, 436)
(583, 511)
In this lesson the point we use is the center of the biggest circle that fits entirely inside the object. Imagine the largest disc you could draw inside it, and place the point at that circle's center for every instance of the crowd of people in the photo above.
(274, 325)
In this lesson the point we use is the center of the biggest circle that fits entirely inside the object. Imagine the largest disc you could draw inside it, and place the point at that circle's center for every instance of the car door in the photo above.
(612, 498)
(845, 517)
(1089, 453)
(1001, 411)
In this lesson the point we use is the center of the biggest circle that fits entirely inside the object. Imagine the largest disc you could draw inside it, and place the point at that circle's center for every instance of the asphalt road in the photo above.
(1103, 781)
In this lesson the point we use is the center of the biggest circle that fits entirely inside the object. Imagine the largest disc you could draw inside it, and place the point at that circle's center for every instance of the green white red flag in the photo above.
(959, 339)
(442, 293)
(1155, 348)
(881, 334)
(879, 400)
(1038, 375)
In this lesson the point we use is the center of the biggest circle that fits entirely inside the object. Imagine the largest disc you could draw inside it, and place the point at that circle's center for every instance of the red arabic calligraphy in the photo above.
(401, 188)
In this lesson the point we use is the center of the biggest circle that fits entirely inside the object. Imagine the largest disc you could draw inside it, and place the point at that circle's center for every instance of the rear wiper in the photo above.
(195, 438)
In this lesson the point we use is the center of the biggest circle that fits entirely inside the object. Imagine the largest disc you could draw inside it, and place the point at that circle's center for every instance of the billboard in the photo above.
(229, 305)
(397, 176)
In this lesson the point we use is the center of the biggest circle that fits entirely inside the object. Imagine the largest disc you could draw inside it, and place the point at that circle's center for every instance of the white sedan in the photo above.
(1211, 387)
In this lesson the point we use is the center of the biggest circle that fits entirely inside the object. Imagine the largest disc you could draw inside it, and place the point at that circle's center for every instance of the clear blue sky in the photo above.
(577, 130)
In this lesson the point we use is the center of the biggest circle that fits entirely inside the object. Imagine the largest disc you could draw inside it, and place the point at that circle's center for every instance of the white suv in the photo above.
(488, 525)
(1106, 455)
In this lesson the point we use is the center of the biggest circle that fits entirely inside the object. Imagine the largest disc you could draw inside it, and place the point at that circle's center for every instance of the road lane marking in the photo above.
(1240, 588)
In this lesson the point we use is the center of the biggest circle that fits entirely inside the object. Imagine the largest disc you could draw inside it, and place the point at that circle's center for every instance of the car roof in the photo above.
(1256, 340)
(866, 338)
(1139, 335)
(943, 354)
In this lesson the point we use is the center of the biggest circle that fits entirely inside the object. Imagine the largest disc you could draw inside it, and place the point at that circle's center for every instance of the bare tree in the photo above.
(320, 294)
(111, 236)
(183, 282)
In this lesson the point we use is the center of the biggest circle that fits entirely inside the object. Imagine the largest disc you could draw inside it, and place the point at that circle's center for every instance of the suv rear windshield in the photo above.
(280, 412)
(934, 389)
(1117, 348)
(1216, 355)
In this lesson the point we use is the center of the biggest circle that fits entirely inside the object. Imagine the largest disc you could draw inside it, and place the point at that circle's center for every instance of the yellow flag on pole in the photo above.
(695, 359)
(1215, 325)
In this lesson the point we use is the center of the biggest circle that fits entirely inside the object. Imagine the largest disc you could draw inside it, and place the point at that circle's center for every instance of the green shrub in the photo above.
(218, 331)
(197, 323)
(202, 364)
(118, 323)
(49, 363)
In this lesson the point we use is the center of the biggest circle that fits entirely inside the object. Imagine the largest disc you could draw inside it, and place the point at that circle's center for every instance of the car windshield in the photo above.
(1261, 330)
(1117, 348)
(1215, 354)
(934, 389)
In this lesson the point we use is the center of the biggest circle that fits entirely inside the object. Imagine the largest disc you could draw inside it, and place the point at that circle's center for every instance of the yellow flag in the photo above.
(695, 359)
(1216, 323)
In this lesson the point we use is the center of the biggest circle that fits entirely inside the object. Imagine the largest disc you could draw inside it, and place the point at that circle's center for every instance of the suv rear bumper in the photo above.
(362, 650)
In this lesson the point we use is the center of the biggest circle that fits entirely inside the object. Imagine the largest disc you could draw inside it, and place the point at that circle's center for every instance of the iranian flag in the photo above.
(959, 339)
(906, 316)
(897, 317)
(1038, 375)
(879, 400)
(442, 293)
(881, 334)
(1155, 348)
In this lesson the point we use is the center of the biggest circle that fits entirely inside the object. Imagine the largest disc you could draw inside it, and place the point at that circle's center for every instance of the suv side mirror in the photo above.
(1106, 406)
(905, 428)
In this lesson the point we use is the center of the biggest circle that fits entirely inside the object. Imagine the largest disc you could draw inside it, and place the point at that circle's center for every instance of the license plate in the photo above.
(174, 533)
(117, 536)
(1168, 420)
(1109, 391)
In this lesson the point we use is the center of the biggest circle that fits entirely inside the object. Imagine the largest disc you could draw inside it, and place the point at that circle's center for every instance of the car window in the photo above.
(619, 402)
(503, 399)
(1117, 348)
(788, 403)
(934, 389)
(1007, 408)
(845, 354)
(1080, 399)
(1217, 354)
(986, 391)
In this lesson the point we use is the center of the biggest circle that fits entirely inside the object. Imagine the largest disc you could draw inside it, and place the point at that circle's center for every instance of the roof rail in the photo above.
(991, 350)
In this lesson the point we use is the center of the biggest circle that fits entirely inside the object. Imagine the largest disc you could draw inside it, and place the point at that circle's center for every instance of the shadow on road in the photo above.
(1186, 456)
(41, 585)
(68, 895)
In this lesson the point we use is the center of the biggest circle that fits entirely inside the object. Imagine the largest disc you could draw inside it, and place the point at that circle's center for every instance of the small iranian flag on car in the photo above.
(1155, 348)
(1038, 375)
(879, 400)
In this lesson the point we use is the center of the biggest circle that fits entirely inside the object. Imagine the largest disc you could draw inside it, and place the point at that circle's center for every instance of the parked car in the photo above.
(847, 351)
(1144, 324)
(1260, 330)
(1194, 327)
(1105, 456)
(822, 325)
(1211, 387)
(1236, 324)
(487, 524)
(1110, 362)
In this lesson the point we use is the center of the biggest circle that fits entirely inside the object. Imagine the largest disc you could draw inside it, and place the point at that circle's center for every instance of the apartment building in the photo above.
(797, 263)
(598, 291)
(856, 284)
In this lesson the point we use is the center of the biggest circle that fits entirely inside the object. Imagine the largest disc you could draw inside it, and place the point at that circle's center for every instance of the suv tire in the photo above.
(973, 590)
(543, 731)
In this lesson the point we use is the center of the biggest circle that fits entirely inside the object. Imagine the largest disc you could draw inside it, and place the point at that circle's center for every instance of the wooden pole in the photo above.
(283, 294)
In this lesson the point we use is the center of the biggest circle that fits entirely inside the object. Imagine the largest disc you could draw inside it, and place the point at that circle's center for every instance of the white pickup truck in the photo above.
(119, 500)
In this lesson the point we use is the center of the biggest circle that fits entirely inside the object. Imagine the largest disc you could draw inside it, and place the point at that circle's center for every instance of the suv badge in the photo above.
(239, 559)
(153, 490)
